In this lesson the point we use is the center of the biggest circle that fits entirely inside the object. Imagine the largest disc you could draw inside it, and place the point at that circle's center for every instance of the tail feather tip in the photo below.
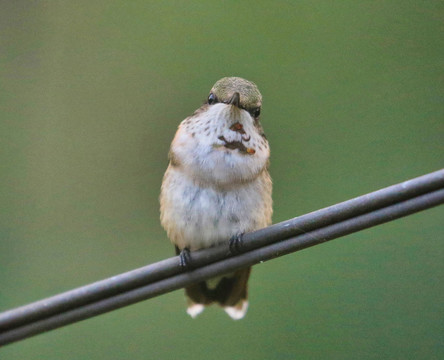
(195, 309)
(237, 312)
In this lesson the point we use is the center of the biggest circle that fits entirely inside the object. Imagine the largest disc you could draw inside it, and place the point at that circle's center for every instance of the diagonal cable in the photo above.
(155, 279)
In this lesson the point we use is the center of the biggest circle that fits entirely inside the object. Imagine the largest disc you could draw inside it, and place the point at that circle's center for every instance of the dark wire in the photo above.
(276, 240)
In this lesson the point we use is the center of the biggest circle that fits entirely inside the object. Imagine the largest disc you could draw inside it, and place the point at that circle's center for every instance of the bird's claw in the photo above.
(236, 243)
(185, 259)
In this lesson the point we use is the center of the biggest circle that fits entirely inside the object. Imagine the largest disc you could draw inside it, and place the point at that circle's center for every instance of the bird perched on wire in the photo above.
(217, 186)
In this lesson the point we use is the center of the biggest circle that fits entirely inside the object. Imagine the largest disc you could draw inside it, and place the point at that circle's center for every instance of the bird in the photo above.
(217, 186)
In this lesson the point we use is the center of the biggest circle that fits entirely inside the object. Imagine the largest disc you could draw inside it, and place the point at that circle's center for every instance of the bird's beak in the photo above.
(234, 99)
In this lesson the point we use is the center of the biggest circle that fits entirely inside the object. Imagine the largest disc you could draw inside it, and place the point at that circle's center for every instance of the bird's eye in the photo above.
(257, 112)
(212, 99)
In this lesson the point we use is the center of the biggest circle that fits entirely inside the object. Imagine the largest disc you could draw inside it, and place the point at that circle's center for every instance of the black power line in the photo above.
(276, 240)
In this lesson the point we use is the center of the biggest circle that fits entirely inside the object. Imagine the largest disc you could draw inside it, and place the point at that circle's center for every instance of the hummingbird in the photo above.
(217, 186)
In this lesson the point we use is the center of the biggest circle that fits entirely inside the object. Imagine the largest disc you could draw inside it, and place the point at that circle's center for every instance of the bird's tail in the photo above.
(228, 291)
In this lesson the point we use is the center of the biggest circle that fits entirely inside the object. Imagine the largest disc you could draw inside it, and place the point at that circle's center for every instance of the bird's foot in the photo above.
(236, 243)
(185, 259)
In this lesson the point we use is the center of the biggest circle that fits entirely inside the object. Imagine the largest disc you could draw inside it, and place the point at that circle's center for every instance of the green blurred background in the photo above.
(91, 95)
